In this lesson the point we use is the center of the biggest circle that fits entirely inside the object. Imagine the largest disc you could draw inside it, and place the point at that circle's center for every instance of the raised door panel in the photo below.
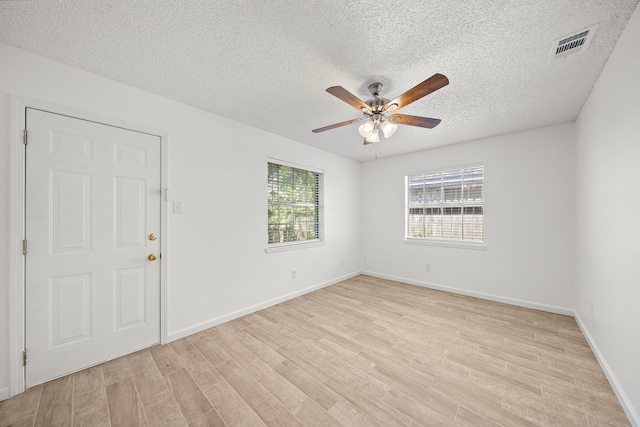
(130, 212)
(70, 308)
(71, 146)
(70, 211)
(129, 297)
(128, 154)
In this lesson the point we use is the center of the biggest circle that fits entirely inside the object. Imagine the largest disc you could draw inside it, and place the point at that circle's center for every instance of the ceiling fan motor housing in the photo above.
(377, 104)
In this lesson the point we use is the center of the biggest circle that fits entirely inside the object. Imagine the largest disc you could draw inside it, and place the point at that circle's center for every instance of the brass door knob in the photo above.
(152, 236)
(153, 257)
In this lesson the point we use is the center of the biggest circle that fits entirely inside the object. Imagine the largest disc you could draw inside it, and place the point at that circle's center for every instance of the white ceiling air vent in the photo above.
(573, 43)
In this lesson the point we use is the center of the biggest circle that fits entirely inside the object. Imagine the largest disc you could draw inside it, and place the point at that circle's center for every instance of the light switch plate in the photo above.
(177, 207)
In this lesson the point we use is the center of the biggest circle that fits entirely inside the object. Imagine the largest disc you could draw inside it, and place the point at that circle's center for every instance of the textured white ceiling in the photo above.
(268, 63)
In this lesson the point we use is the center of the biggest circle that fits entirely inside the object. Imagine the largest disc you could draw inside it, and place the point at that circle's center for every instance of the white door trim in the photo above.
(17, 221)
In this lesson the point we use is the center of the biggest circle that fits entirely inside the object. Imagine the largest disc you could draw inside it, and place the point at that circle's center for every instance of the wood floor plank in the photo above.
(594, 409)
(56, 402)
(192, 402)
(321, 372)
(344, 354)
(307, 383)
(94, 415)
(116, 370)
(165, 358)
(28, 422)
(419, 412)
(349, 415)
(274, 413)
(125, 407)
(148, 380)
(164, 412)
(263, 336)
(210, 350)
(231, 407)
(440, 368)
(202, 372)
(312, 415)
(259, 348)
(542, 411)
(291, 396)
(522, 381)
(467, 418)
(229, 340)
(181, 346)
(498, 344)
(589, 396)
(365, 382)
(210, 419)
(397, 375)
(367, 404)
(241, 322)
(464, 390)
(243, 383)
(88, 387)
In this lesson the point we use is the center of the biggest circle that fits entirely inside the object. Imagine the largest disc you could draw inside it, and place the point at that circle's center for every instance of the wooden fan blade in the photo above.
(423, 122)
(337, 125)
(348, 97)
(428, 86)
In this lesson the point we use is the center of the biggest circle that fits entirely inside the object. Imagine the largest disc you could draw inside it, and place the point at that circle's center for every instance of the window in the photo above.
(294, 200)
(446, 205)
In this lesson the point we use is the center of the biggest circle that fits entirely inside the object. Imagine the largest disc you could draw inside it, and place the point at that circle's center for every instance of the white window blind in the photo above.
(294, 200)
(446, 205)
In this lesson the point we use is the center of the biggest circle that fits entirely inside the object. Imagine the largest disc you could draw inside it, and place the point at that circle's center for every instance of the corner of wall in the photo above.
(631, 412)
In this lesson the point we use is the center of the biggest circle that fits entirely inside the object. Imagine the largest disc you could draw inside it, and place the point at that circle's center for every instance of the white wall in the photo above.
(217, 168)
(608, 216)
(528, 220)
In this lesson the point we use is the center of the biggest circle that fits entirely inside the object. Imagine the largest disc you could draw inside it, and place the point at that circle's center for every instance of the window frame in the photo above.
(432, 241)
(299, 244)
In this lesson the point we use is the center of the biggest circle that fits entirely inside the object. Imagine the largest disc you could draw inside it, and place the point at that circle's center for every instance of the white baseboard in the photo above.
(513, 301)
(631, 412)
(243, 312)
(4, 393)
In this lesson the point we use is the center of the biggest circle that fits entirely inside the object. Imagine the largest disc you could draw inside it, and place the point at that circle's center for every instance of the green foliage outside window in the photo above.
(293, 200)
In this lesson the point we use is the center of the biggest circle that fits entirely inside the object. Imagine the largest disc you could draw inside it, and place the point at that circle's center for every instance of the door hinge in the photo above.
(24, 247)
(24, 358)
(24, 137)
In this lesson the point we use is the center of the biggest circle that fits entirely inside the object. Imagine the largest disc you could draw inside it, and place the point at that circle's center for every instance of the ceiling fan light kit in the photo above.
(376, 109)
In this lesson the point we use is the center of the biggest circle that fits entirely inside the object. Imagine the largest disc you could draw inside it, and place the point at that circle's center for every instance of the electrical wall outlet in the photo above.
(293, 274)
(427, 267)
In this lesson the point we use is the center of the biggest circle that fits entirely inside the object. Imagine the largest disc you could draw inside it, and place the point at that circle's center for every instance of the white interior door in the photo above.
(92, 203)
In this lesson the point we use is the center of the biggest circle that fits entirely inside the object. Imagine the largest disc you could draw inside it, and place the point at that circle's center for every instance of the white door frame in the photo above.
(16, 300)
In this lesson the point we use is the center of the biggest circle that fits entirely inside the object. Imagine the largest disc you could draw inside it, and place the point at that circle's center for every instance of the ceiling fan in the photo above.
(377, 109)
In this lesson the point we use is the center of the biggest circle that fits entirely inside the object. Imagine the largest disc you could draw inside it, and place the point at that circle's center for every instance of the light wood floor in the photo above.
(364, 352)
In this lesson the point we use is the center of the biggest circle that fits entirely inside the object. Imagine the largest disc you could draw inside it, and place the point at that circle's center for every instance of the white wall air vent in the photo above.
(573, 43)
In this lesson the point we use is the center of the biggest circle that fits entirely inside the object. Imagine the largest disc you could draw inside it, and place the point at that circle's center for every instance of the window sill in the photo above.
(282, 247)
(481, 246)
